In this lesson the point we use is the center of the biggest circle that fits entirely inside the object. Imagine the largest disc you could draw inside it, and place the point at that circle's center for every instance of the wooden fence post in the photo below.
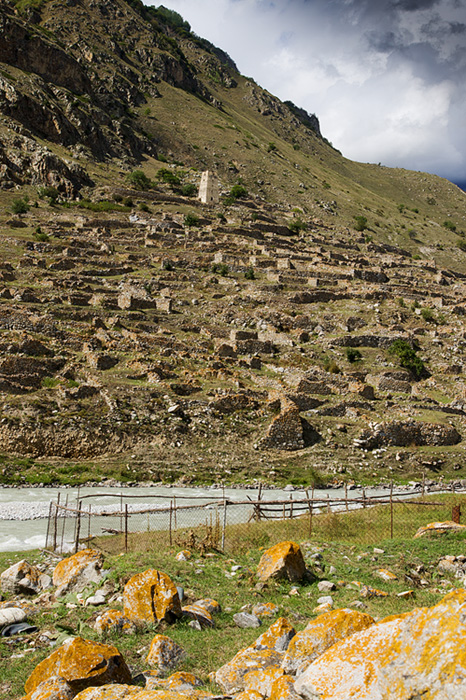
(78, 527)
(346, 496)
(170, 525)
(126, 527)
(391, 510)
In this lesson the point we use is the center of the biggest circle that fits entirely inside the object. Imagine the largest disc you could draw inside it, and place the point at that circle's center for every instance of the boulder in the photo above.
(151, 596)
(24, 579)
(181, 682)
(262, 680)
(81, 663)
(113, 621)
(9, 616)
(246, 620)
(277, 637)
(110, 692)
(265, 610)
(73, 574)
(197, 612)
(164, 654)
(230, 677)
(320, 634)
(283, 689)
(54, 688)
(439, 528)
(418, 654)
(209, 604)
(283, 561)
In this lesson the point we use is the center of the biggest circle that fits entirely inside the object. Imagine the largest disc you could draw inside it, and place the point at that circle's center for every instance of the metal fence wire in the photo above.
(139, 523)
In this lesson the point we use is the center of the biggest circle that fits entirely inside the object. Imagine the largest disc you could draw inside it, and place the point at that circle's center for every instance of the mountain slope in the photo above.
(148, 336)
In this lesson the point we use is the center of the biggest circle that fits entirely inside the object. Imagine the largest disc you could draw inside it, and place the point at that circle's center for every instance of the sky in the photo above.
(386, 78)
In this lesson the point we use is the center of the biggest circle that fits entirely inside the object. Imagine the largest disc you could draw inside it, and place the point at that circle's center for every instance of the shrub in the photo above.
(449, 225)
(19, 206)
(408, 358)
(461, 244)
(238, 192)
(271, 147)
(361, 222)
(139, 180)
(353, 355)
(189, 190)
(50, 193)
(167, 176)
(296, 226)
(220, 269)
(144, 207)
(249, 274)
(191, 220)
(428, 315)
(330, 365)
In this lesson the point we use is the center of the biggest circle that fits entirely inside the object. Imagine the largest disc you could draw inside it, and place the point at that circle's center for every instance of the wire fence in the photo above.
(131, 523)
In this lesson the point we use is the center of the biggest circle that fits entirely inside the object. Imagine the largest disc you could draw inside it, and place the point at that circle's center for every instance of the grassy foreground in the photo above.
(345, 542)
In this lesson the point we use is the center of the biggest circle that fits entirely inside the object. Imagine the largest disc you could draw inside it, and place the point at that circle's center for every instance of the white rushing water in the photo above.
(24, 512)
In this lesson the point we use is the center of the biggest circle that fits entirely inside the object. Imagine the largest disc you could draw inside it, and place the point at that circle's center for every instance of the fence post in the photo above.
(126, 527)
(170, 524)
(456, 513)
(309, 505)
(391, 510)
(174, 513)
(291, 506)
(346, 496)
(55, 524)
(78, 527)
(48, 525)
(63, 526)
(423, 482)
(224, 518)
(364, 498)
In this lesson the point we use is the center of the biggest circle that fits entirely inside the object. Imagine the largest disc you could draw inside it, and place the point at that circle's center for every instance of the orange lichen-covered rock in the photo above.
(421, 653)
(265, 610)
(114, 621)
(198, 613)
(151, 596)
(54, 688)
(23, 579)
(179, 681)
(320, 634)
(447, 526)
(283, 561)
(134, 692)
(209, 604)
(283, 689)
(110, 692)
(81, 663)
(74, 573)
(249, 695)
(164, 654)
(230, 677)
(277, 637)
(261, 680)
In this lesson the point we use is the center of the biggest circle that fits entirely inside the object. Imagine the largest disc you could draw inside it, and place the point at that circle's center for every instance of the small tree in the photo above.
(19, 206)
(408, 358)
(361, 222)
(139, 180)
(238, 191)
(191, 220)
(189, 190)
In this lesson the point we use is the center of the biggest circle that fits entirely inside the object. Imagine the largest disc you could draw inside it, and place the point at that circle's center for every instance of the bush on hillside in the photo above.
(408, 358)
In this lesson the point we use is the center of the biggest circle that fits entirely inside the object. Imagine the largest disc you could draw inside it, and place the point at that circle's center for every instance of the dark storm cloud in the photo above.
(385, 77)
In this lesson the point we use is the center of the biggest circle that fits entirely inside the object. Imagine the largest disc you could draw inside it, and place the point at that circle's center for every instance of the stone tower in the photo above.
(208, 188)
